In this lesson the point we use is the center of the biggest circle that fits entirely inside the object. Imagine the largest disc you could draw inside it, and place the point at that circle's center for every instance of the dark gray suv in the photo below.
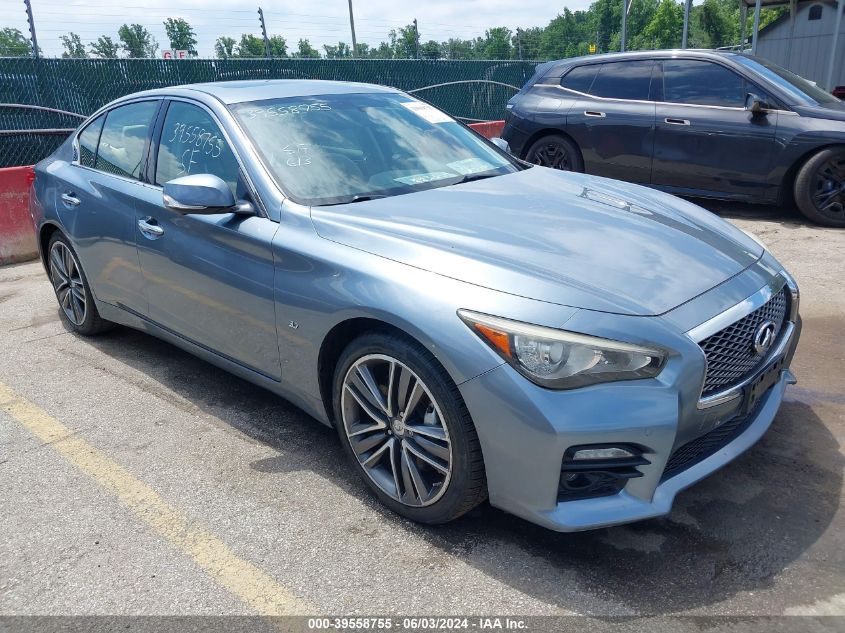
(696, 123)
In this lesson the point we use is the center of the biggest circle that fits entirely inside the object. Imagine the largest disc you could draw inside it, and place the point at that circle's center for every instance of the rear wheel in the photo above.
(556, 152)
(820, 187)
(76, 303)
(404, 425)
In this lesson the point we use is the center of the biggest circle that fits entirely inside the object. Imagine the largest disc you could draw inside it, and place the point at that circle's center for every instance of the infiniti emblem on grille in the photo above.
(764, 337)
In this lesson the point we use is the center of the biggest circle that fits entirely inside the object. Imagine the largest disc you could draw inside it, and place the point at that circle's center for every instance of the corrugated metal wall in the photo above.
(809, 52)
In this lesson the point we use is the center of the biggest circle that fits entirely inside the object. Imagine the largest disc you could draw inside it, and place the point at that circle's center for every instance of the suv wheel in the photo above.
(820, 187)
(556, 152)
(404, 425)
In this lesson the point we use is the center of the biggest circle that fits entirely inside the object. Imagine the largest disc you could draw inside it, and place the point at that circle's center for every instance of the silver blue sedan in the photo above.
(576, 349)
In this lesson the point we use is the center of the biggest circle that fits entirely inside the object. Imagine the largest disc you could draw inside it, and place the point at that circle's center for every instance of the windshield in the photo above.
(801, 91)
(332, 149)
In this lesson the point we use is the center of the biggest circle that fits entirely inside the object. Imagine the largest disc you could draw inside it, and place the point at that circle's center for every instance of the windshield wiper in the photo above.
(471, 177)
(374, 196)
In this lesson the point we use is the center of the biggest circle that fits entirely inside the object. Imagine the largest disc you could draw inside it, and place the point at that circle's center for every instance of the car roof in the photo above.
(698, 53)
(259, 89)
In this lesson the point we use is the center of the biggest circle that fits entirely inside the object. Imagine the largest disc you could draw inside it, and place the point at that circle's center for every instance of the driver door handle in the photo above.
(676, 121)
(150, 228)
(594, 113)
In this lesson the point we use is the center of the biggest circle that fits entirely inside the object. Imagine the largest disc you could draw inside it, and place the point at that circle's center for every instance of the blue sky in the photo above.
(323, 22)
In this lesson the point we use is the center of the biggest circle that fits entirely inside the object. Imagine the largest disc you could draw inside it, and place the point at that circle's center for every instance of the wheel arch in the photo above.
(45, 233)
(549, 131)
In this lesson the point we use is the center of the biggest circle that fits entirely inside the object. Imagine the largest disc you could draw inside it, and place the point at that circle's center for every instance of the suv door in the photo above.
(706, 141)
(96, 200)
(209, 278)
(613, 119)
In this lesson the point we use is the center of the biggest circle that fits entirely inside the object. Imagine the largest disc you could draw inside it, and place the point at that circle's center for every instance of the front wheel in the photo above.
(403, 423)
(820, 187)
(556, 152)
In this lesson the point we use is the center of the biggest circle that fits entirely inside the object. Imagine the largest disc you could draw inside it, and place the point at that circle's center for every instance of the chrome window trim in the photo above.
(660, 103)
(740, 311)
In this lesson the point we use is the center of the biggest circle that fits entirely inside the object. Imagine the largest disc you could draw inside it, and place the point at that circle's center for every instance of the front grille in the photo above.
(730, 352)
(703, 447)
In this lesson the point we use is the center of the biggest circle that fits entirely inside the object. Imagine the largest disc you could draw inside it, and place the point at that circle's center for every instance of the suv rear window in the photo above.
(624, 80)
(580, 78)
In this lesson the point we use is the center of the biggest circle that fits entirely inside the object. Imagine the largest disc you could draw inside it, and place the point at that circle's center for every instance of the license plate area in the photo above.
(764, 381)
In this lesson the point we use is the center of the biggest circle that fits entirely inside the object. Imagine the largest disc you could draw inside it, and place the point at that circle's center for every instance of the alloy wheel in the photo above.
(829, 188)
(552, 155)
(66, 276)
(396, 430)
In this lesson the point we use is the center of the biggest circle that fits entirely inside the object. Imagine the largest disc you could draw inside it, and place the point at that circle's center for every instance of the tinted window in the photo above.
(581, 78)
(799, 90)
(121, 147)
(624, 80)
(192, 143)
(88, 141)
(702, 83)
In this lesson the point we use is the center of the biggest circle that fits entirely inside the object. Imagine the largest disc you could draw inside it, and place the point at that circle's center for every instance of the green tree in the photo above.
(73, 46)
(665, 28)
(104, 48)
(278, 46)
(430, 50)
(137, 41)
(403, 42)
(456, 48)
(341, 51)
(250, 46)
(529, 42)
(181, 35)
(497, 43)
(13, 43)
(225, 47)
(305, 50)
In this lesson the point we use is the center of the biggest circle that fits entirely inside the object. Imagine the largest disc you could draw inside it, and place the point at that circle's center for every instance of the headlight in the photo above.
(558, 359)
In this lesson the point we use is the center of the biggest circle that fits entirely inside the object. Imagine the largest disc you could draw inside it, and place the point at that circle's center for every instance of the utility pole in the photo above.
(519, 41)
(417, 37)
(31, 21)
(687, 6)
(352, 26)
(624, 37)
(264, 33)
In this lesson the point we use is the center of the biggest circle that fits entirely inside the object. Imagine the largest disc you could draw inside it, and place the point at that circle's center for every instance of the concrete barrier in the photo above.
(489, 129)
(17, 234)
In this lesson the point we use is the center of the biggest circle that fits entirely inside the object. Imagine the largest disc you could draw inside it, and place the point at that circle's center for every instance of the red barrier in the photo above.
(489, 129)
(17, 235)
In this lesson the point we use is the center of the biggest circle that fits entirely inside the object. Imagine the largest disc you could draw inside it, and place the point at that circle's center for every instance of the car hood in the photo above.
(830, 111)
(572, 239)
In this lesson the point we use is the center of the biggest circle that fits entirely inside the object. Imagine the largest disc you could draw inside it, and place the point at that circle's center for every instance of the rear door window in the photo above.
(624, 80)
(702, 83)
(580, 78)
(124, 138)
(88, 140)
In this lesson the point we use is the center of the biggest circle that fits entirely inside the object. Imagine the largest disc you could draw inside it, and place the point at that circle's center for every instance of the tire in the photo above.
(820, 187)
(76, 303)
(396, 460)
(556, 152)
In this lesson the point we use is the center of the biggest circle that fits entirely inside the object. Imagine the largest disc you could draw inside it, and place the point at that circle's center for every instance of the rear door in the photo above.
(706, 141)
(96, 200)
(613, 120)
(209, 278)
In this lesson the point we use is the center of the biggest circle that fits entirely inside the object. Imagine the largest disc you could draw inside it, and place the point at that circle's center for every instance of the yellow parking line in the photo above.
(260, 591)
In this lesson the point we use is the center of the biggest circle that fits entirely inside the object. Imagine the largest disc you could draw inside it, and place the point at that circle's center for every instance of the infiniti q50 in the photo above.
(576, 349)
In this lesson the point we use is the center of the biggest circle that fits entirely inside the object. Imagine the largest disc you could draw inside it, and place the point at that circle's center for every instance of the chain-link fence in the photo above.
(470, 90)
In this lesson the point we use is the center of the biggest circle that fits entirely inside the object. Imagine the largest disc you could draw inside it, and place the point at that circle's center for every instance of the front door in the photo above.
(209, 278)
(706, 141)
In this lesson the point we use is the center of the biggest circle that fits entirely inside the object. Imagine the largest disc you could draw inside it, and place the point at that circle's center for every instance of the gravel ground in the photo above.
(251, 474)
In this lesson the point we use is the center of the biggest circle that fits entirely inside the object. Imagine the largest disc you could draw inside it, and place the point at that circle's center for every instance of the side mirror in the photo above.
(199, 193)
(755, 104)
(501, 143)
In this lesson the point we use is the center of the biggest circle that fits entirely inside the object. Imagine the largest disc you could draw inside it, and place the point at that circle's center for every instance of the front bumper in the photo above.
(525, 430)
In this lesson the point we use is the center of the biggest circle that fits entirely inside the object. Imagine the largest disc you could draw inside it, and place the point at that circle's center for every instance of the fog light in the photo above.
(610, 452)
